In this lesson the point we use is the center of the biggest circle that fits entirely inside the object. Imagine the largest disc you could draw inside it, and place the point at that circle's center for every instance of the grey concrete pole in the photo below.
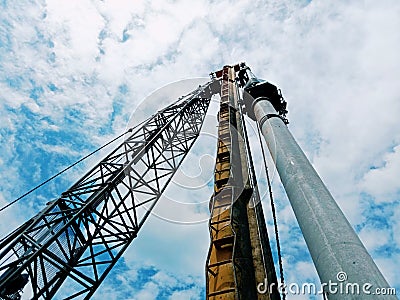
(342, 262)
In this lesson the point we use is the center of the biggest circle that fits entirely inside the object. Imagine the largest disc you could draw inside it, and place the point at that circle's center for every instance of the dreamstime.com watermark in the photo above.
(342, 287)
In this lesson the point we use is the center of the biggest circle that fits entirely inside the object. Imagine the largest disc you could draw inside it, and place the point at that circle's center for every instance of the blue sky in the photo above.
(72, 73)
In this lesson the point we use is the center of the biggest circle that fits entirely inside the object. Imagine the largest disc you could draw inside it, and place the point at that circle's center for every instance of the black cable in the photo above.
(278, 246)
(66, 169)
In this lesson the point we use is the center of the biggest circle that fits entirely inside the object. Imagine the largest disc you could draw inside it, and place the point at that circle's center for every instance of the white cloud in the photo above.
(187, 294)
(374, 238)
(149, 292)
(381, 182)
(390, 269)
(336, 63)
(75, 35)
(395, 220)
(177, 248)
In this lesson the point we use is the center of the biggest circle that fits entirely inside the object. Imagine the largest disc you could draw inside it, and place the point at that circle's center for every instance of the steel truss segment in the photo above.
(69, 247)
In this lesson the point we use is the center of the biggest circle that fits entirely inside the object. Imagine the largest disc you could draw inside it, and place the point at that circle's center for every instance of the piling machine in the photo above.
(76, 240)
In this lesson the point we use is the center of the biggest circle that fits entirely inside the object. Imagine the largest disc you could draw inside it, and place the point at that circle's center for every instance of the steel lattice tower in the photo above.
(78, 238)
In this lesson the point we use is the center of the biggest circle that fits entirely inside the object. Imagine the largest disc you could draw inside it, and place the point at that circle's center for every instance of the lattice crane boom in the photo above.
(76, 240)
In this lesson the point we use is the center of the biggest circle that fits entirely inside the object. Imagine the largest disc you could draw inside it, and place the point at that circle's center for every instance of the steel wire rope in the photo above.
(97, 150)
(66, 169)
(273, 216)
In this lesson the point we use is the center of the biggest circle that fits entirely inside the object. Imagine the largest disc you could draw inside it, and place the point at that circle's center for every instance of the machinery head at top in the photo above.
(256, 89)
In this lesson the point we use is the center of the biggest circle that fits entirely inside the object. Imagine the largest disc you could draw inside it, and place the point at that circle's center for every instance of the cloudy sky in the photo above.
(73, 72)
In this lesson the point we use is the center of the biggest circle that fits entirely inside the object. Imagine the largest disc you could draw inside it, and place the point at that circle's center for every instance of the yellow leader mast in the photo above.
(239, 256)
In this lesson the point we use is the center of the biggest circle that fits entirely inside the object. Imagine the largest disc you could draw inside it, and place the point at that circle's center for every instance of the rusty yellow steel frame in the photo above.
(220, 270)
(239, 254)
(229, 264)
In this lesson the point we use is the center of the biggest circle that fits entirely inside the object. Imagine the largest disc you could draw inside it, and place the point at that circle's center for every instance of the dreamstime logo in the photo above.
(341, 276)
(341, 287)
(186, 200)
